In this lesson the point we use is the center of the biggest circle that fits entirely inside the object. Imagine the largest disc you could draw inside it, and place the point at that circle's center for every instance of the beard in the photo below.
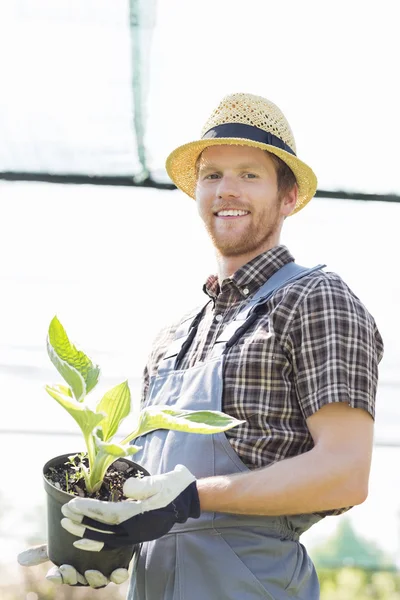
(255, 237)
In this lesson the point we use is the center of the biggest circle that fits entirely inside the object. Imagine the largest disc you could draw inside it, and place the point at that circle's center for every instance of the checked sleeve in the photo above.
(335, 348)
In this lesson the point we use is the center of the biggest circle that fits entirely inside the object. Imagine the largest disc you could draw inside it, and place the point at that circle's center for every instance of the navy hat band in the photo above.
(248, 132)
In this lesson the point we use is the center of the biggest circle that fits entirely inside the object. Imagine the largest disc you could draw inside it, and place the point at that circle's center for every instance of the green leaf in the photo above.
(200, 421)
(86, 418)
(116, 450)
(116, 405)
(73, 365)
(132, 449)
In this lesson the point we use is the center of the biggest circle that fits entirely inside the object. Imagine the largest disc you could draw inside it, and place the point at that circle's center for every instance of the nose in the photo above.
(227, 188)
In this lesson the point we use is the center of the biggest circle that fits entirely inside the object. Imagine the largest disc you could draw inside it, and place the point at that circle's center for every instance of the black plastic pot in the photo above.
(61, 550)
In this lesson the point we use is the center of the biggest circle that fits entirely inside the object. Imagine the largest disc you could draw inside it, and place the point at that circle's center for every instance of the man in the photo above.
(291, 352)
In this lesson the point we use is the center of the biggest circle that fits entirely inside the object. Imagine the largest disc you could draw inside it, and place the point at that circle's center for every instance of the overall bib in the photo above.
(217, 556)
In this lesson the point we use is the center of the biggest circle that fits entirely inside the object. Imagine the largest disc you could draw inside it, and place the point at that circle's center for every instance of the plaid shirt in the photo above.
(315, 344)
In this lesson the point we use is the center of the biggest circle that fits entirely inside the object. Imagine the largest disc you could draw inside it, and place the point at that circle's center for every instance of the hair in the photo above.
(286, 179)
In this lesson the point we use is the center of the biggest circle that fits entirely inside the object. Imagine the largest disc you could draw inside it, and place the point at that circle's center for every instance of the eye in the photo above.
(212, 176)
(250, 175)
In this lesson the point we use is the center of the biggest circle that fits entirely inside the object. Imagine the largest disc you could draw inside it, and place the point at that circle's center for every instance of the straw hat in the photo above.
(244, 120)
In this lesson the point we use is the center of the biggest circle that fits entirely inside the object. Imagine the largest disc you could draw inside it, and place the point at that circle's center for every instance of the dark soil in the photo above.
(64, 477)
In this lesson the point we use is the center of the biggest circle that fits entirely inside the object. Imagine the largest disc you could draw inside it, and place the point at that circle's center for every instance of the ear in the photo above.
(289, 201)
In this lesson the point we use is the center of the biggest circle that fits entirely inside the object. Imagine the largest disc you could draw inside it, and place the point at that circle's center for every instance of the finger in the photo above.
(119, 576)
(105, 527)
(79, 530)
(54, 575)
(99, 538)
(112, 513)
(68, 574)
(105, 538)
(78, 527)
(82, 519)
(89, 545)
(81, 579)
(67, 512)
(95, 541)
(96, 579)
(33, 556)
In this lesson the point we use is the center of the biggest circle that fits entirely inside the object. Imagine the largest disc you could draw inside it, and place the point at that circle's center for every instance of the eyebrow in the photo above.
(242, 167)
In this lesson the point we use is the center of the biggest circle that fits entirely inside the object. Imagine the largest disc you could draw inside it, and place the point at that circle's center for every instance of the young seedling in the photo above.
(100, 426)
(74, 462)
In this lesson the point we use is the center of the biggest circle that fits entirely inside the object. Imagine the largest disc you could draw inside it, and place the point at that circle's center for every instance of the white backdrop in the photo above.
(67, 102)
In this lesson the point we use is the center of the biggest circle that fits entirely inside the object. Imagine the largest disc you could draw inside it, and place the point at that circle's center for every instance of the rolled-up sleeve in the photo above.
(336, 348)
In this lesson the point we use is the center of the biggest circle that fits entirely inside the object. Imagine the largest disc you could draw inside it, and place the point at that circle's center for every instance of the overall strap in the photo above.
(245, 318)
(285, 275)
(182, 339)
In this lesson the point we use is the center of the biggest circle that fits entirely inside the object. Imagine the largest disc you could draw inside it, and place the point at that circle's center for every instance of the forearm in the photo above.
(311, 482)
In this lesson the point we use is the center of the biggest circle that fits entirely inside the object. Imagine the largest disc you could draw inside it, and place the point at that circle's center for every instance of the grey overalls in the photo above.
(218, 556)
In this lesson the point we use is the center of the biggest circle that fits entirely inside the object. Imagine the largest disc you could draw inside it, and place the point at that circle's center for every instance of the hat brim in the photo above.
(181, 166)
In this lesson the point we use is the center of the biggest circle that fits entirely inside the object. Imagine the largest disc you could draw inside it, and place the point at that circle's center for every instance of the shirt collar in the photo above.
(249, 278)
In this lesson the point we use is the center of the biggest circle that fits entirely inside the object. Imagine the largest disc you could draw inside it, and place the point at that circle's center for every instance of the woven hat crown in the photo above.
(252, 110)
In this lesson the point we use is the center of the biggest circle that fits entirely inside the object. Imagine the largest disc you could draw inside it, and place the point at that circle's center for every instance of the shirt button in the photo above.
(218, 318)
(246, 291)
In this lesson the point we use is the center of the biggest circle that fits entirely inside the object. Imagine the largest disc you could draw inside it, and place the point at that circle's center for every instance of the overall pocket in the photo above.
(210, 568)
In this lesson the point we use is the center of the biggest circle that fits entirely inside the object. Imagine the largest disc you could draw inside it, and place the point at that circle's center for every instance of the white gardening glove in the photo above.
(68, 574)
(118, 523)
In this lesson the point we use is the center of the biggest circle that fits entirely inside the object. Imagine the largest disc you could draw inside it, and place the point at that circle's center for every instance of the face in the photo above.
(237, 198)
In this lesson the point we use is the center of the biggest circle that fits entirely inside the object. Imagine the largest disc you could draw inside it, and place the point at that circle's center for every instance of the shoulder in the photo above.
(325, 305)
(325, 290)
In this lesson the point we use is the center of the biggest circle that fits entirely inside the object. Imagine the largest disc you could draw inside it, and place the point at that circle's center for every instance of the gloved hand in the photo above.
(68, 574)
(158, 502)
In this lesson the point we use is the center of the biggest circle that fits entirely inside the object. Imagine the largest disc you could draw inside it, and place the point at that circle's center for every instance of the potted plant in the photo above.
(100, 470)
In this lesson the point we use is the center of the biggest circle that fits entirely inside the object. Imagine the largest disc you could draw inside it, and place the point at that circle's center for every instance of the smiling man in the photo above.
(239, 201)
(290, 351)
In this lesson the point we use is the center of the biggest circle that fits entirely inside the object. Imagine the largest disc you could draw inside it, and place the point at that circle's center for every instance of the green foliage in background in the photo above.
(350, 567)
(348, 549)
(357, 584)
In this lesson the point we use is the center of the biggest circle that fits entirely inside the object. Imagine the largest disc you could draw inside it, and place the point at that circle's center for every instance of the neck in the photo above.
(228, 265)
